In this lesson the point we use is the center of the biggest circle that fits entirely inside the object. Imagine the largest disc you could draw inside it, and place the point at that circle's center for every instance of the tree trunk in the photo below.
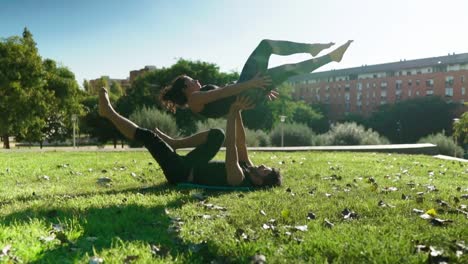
(122, 143)
(6, 141)
(115, 143)
(40, 144)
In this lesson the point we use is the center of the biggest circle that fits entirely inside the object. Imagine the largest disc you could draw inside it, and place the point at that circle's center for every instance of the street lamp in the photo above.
(73, 119)
(455, 121)
(282, 119)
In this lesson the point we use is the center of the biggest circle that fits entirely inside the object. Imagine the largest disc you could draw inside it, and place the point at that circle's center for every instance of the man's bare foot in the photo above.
(337, 54)
(104, 102)
(317, 48)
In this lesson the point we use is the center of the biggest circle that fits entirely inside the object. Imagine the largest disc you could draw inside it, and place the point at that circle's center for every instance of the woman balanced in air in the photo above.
(214, 102)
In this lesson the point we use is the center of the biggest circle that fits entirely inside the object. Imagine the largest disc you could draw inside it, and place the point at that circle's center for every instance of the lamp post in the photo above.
(282, 119)
(73, 119)
(455, 121)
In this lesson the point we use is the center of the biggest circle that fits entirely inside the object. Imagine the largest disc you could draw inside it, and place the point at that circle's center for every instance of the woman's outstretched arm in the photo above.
(202, 98)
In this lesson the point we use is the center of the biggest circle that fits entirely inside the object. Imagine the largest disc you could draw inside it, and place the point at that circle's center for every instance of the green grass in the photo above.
(122, 221)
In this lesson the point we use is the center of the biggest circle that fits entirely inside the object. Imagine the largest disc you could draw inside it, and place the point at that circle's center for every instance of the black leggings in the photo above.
(175, 167)
(258, 63)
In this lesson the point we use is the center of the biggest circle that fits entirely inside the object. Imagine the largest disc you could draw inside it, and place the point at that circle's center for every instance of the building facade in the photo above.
(361, 90)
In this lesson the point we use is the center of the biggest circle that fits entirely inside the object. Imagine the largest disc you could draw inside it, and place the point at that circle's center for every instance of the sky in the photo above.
(112, 37)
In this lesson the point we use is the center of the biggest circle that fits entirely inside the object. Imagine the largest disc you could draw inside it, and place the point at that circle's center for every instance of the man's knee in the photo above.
(216, 135)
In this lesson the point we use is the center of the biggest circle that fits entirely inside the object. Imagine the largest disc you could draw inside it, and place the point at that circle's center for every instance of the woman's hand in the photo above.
(272, 95)
(260, 81)
(241, 103)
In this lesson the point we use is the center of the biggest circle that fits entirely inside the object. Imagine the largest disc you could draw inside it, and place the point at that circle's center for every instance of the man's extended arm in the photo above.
(235, 176)
(240, 141)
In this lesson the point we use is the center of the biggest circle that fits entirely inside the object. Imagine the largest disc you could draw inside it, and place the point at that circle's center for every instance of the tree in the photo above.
(410, 120)
(116, 89)
(25, 102)
(61, 82)
(461, 129)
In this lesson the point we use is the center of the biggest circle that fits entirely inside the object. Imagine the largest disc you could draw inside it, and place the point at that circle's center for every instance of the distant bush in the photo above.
(295, 134)
(351, 134)
(445, 144)
(253, 138)
(211, 123)
(256, 138)
(152, 118)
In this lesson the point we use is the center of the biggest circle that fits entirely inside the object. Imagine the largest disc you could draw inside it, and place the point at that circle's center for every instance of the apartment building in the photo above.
(361, 90)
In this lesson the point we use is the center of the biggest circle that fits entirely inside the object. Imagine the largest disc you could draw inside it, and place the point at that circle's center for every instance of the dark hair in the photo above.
(272, 179)
(173, 95)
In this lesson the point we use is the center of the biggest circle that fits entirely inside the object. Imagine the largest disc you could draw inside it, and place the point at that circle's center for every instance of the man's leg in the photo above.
(173, 166)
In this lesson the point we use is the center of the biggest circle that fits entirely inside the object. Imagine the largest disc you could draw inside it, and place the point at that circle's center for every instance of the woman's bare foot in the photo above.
(317, 48)
(337, 54)
(104, 102)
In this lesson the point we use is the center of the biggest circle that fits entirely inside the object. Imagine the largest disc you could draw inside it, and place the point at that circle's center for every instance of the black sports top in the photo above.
(214, 173)
(218, 108)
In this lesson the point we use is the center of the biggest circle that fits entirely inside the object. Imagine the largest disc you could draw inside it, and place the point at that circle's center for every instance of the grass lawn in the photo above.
(333, 207)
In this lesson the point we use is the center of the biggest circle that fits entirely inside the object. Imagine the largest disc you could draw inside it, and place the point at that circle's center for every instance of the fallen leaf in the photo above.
(311, 216)
(95, 260)
(348, 214)
(104, 180)
(258, 259)
(328, 223)
(6, 250)
(130, 259)
(432, 212)
(158, 251)
(302, 228)
(440, 222)
(425, 216)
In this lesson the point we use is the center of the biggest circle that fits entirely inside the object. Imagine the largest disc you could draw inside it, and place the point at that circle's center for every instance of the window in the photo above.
(417, 93)
(417, 82)
(462, 79)
(410, 93)
(383, 94)
(398, 84)
(463, 91)
(448, 91)
(429, 83)
(359, 86)
(449, 81)
(429, 92)
(408, 73)
(410, 82)
(383, 84)
(375, 76)
(419, 72)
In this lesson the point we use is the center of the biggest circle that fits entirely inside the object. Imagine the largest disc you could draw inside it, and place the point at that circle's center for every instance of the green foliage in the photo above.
(461, 129)
(67, 95)
(24, 103)
(152, 118)
(116, 89)
(296, 111)
(445, 144)
(210, 123)
(295, 134)
(409, 120)
(256, 138)
(351, 134)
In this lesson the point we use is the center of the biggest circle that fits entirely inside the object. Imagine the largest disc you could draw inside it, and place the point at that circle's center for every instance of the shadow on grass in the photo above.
(105, 227)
